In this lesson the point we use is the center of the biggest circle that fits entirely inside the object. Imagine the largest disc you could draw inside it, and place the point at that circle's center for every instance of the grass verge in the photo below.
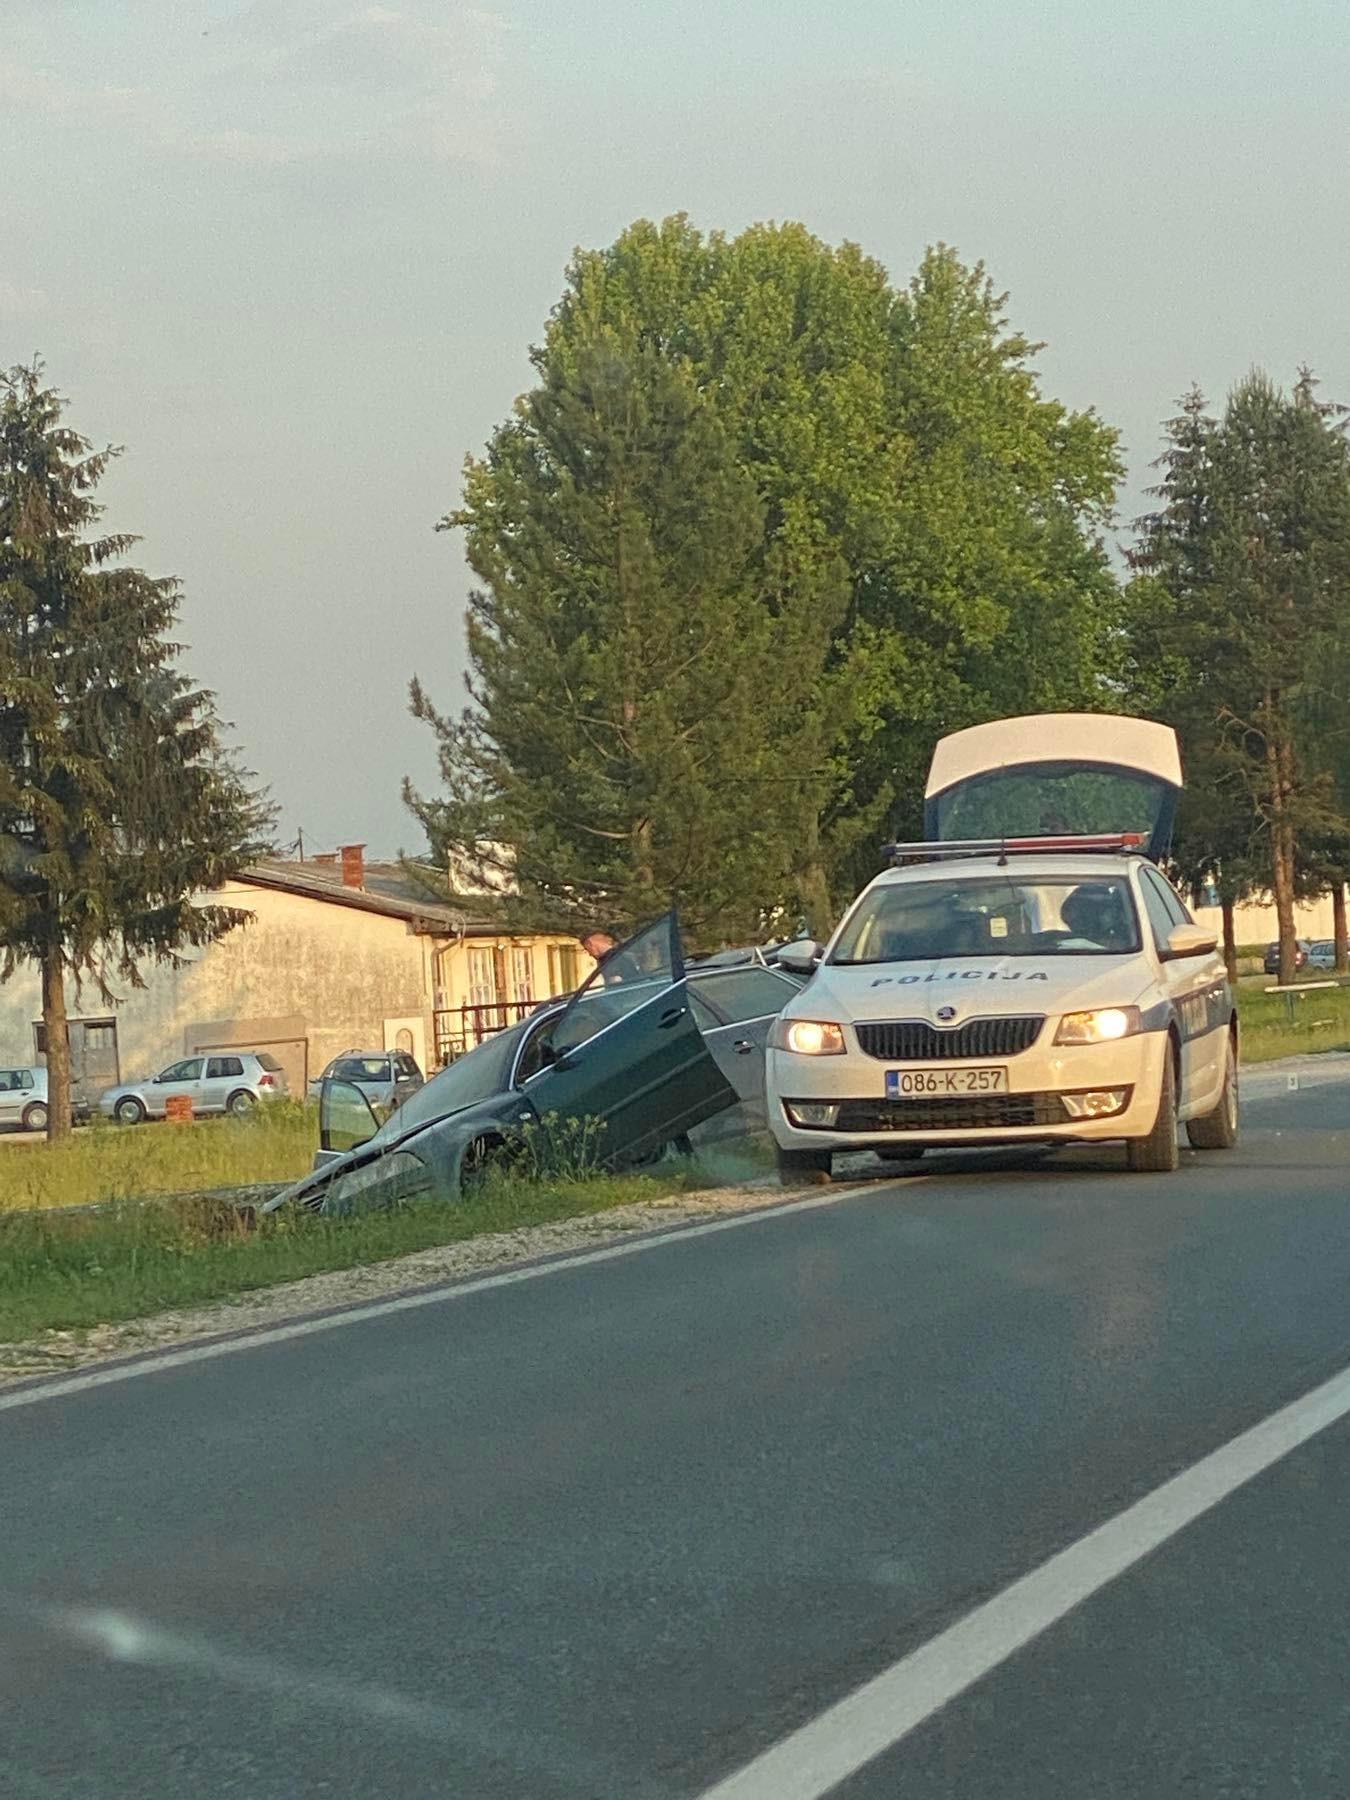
(114, 1162)
(64, 1270)
(1321, 1022)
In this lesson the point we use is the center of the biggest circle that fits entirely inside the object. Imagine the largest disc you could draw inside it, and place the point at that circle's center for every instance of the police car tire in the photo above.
(1218, 1130)
(1158, 1154)
(795, 1165)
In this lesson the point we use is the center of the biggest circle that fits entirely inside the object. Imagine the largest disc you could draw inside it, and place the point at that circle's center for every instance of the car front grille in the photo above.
(914, 1040)
(969, 1112)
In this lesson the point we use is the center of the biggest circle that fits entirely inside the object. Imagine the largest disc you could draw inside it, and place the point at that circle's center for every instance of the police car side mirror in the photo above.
(1188, 940)
(800, 957)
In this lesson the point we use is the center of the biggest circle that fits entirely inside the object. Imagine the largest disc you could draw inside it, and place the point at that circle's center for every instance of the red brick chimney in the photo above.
(353, 865)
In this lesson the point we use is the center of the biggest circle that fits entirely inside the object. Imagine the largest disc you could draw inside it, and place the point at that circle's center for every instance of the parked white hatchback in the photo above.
(1026, 989)
(23, 1097)
(231, 1082)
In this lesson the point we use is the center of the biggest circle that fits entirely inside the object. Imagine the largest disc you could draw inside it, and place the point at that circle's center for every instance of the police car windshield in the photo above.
(991, 916)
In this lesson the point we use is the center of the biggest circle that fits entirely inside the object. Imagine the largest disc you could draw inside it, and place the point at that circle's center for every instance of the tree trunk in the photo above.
(1278, 758)
(815, 899)
(1230, 955)
(1338, 927)
(58, 1046)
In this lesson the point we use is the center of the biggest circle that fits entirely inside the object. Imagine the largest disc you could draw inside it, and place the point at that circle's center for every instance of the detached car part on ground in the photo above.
(648, 1051)
(1001, 986)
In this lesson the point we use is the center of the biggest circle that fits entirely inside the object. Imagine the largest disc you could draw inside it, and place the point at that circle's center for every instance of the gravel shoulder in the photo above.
(57, 1352)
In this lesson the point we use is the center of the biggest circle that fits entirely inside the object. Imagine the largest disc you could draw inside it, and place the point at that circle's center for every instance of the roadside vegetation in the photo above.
(117, 1162)
(1321, 1021)
(67, 1270)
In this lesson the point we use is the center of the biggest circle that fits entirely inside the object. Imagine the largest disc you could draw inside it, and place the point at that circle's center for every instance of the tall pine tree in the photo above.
(118, 804)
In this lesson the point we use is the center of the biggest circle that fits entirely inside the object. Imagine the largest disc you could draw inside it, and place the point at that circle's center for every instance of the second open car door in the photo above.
(628, 1051)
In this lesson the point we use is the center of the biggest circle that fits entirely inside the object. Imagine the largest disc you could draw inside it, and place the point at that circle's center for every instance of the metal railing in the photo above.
(461, 1028)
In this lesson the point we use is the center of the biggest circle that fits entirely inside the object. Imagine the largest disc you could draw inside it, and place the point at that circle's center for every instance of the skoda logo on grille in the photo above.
(946, 1014)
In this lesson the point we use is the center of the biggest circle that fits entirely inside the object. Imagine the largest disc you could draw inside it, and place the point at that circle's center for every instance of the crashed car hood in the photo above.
(976, 986)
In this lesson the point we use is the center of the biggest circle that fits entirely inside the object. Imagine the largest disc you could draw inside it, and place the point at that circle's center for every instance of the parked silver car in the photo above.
(233, 1081)
(385, 1077)
(1322, 955)
(23, 1098)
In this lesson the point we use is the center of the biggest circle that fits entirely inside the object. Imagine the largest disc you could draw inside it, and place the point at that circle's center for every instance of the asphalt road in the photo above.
(618, 1530)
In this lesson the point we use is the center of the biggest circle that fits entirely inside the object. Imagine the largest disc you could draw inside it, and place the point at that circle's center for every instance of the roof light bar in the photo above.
(1120, 843)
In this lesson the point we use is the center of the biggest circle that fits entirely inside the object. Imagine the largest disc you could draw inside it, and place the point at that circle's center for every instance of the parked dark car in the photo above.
(1272, 963)
(652, 1054)
(387, 1077)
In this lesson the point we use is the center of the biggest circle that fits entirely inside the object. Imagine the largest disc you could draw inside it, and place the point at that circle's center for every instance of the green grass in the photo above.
(114, 1162)
(66, 1270)
(1321, 1022)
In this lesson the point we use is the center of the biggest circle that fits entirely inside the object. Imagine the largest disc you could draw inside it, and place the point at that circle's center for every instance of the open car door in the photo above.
(628, 1050)
(1056, 775)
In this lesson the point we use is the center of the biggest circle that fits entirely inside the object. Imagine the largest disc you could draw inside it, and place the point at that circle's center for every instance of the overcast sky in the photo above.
(292, 253)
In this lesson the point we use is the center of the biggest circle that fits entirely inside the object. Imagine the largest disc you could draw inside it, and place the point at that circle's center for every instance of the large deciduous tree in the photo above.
(117, 803)
(925, 552)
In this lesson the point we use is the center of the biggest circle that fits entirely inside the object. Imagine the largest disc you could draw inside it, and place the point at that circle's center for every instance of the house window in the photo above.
(482, 976)
(562, 968)
(522, 973)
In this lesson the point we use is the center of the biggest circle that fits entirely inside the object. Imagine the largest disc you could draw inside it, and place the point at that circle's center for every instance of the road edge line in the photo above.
(55, 1387)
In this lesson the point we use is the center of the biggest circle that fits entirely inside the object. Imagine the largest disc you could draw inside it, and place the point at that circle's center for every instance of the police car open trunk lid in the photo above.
(1056, 775)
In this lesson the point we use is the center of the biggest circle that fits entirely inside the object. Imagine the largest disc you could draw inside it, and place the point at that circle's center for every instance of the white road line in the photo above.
(378, 1309)
(814, 1759)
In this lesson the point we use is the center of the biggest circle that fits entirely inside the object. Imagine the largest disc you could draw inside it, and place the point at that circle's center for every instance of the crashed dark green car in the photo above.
(648, 1051)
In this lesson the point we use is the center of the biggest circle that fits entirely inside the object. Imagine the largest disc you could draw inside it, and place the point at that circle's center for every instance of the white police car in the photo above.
(1025, 975)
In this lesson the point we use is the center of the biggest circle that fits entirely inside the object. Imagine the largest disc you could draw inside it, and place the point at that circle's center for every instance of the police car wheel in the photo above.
(1157, 1154)
(1219, 1130)
(801, 1165)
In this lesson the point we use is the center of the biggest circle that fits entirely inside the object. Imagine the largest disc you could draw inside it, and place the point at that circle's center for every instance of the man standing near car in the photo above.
(614, 965)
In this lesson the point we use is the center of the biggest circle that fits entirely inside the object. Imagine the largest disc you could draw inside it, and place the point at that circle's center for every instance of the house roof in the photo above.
(388, 888)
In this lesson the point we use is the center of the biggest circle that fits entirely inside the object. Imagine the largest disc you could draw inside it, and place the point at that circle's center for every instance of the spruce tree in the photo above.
(1245, 605)
(118, 804)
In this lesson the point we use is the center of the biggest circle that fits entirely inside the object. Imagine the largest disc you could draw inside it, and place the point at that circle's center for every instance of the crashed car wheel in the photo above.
(485, 1156)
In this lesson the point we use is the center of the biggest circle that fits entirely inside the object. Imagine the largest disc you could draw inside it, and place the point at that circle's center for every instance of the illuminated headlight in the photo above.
(1101, 1027)
(820, 1113)
(808, 1037)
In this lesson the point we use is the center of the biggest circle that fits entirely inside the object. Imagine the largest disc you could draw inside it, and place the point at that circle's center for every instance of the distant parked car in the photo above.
(1322, 955)
(23, 1098)
(1272, 963)
(233, 1082)
(385, 1077)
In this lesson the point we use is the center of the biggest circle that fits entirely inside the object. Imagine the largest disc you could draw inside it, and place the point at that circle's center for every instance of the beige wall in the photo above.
(306, 974)
(1256, 924)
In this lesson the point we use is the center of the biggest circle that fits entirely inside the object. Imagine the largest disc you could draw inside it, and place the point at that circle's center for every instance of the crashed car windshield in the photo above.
(990, 916)
(477, 1076)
